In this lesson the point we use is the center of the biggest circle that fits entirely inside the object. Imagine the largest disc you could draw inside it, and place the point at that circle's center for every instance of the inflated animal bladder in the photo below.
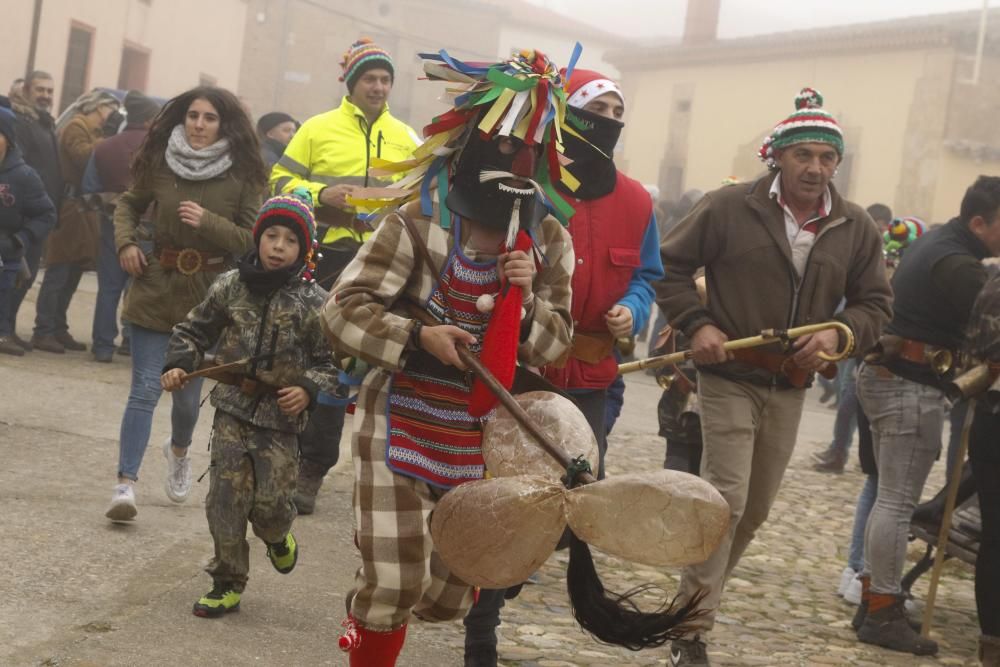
(509, 449)
(660, 518)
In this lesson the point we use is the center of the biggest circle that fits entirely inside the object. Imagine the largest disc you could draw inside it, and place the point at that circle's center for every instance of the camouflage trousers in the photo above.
(253, 474)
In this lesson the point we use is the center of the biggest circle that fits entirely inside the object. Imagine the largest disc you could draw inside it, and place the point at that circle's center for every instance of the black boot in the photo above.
(887, 626)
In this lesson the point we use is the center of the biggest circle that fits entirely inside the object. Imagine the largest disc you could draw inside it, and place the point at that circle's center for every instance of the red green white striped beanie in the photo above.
(295, 211)
(364, 55)
(809, 123)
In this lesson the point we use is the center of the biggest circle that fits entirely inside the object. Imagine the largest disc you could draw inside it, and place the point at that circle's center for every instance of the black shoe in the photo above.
(125, 349)
(8, 346)
(829, 391)
(835, 465)
(890, 629)
(70, 343)
(103, 357)
(25, 345)
(689, 653)
(481, 655)
(47, 343)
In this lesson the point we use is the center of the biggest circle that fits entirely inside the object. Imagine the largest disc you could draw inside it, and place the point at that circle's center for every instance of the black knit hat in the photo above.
(269, 121)
(7, 122)
(139, 108)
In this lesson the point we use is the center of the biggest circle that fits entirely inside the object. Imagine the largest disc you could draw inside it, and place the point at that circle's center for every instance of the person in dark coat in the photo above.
(108, 175)
(36, 138)
(26, 216)
(275, 130)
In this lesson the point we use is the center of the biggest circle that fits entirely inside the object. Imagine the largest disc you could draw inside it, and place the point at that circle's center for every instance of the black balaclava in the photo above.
(593, 164)
(491, 203)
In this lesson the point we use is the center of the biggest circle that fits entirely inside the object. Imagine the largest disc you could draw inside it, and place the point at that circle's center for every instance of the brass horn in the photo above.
(971, 383)
(939, 359)
(766, 337)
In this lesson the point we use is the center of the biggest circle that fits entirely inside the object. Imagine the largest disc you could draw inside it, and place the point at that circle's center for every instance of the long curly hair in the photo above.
(234, 125)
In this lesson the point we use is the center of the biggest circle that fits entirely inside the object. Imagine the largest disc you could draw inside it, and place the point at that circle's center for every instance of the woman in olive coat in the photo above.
(200, 168)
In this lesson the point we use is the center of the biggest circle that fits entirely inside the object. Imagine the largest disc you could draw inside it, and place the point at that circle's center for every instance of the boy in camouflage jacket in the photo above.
(267, 312)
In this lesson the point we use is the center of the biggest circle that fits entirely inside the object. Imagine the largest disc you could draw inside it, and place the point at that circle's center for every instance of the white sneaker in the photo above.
(846, 577)
(122, 504)
(852, 593)
(178, 482)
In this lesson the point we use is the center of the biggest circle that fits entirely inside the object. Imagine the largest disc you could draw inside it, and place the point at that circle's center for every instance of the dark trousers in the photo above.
(592, 404)
(984, 453)
(319, 443)
(111, 282)
(482, 620)
(58, 287)
(32, 258)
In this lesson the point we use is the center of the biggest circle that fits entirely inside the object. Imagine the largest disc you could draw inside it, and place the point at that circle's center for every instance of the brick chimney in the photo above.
(701, 24)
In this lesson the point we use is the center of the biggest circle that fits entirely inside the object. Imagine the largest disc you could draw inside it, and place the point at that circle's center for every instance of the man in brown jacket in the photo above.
(779, 252)
(72, 245)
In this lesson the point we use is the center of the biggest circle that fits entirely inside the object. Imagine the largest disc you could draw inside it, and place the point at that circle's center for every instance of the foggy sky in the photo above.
(665, 18)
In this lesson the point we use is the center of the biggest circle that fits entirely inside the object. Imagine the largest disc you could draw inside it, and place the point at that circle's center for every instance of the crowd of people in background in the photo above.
(164, 199)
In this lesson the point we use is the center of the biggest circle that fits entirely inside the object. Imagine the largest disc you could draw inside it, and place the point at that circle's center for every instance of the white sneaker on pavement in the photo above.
(122, 504)
(846, 577)
(178, 482)
(852, 593)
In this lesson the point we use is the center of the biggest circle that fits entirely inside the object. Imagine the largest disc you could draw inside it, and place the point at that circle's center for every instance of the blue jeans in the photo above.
(8, 276)
(866, 500)
(846, 423)
(58, 286)
(906, 419)
(111, 282)
(32, 257)
(149, 350)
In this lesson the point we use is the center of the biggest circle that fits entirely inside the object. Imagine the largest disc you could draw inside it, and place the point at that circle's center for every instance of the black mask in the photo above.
(492, 203)
(259, 280)
(596, 172)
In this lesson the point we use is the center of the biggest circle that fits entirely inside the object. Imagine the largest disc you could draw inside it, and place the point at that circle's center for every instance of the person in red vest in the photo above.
(617, 247)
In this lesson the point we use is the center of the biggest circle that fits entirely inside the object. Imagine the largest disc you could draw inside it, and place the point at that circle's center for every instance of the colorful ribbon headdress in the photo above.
(521, 97)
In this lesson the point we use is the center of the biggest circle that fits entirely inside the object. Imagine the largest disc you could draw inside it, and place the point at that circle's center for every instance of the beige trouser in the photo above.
(749, 433)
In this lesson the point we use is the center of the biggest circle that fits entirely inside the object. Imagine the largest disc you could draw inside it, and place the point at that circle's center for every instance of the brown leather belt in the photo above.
(780, 365)
(189, 261)
(916, 352)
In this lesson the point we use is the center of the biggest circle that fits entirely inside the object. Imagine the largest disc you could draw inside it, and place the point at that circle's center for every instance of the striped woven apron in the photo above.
(431, 434)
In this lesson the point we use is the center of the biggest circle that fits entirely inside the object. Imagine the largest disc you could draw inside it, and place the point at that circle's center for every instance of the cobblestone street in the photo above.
(79, 591)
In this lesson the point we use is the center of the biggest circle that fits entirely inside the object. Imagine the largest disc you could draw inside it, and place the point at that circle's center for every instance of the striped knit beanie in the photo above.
(809, 123)
(364, 55)
(295, 211)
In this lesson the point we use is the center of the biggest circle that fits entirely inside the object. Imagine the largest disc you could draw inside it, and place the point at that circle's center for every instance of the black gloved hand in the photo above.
(112, 124)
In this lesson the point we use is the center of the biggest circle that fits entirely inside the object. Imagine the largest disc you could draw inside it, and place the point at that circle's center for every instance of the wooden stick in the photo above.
(505, 397)
(232, 365)
(949, 507)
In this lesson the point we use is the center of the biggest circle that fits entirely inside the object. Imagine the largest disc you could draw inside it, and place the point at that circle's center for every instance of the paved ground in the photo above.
(80, 591)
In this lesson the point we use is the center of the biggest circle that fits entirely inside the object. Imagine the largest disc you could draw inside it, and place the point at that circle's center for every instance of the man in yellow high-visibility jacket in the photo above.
(331, 153)
(330, 156)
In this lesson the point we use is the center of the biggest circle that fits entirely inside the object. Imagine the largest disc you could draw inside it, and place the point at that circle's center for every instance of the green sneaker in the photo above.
(284, 554)
(221, 600)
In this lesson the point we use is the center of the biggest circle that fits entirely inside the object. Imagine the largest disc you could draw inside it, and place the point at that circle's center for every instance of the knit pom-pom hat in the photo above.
(809, 123)
(364, 55)
(295, 211)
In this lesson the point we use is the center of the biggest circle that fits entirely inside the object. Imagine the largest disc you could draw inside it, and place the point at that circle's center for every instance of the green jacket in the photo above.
(160, 298)
(284, 324)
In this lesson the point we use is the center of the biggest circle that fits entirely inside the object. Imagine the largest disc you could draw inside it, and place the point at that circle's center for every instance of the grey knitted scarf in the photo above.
(197, 164)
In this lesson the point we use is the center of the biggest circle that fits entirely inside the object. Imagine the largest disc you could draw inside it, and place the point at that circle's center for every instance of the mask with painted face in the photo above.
(493, 181)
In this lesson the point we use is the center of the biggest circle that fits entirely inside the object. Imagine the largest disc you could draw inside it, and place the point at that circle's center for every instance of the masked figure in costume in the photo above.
(472, 229)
